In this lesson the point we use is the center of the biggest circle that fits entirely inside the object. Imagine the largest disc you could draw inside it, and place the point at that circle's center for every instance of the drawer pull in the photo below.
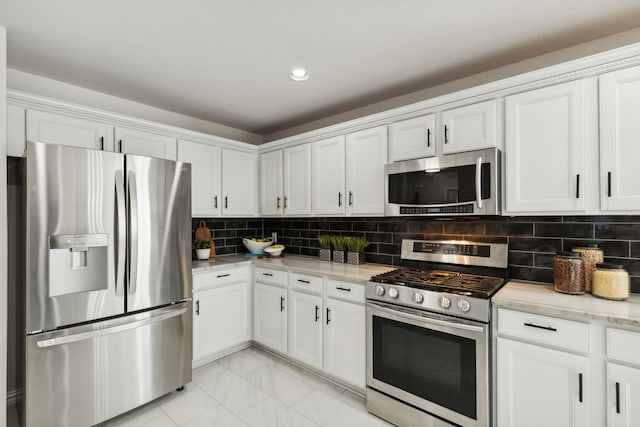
(268, 274)
(580, 388)
(304, 281)
(546, 328)
(340, 288)
(223, 275)
(617, 398)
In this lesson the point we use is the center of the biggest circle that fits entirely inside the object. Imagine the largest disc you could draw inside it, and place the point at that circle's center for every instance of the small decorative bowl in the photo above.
(256, 247)
(275, 250)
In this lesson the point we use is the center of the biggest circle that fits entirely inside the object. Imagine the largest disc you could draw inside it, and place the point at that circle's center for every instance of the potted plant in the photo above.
(339, 243)
(356, 245)
(325, 247)
(203, 248)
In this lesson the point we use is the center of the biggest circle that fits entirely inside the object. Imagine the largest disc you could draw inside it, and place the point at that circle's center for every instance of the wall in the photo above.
(533, 241)
(3, 226)
(227, 233)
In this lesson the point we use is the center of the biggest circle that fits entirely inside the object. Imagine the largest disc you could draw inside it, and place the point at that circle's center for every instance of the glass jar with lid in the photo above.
(568, 273)
(610, 281)
(592, 255)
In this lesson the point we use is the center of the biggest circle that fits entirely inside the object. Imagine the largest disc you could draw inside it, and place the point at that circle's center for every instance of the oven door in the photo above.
(438, 364)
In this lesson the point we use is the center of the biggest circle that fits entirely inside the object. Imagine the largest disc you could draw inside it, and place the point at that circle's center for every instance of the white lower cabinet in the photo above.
(270, 316)
(345, 347)
(623, 396)
(538, 386)
(305, 328)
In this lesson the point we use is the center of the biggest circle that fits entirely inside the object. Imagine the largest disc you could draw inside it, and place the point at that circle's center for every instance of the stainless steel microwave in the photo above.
(453, 184)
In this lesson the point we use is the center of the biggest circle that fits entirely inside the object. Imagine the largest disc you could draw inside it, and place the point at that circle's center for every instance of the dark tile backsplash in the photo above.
(533, 240)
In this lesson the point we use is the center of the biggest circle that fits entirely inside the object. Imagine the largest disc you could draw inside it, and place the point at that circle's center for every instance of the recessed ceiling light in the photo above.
(298, 74)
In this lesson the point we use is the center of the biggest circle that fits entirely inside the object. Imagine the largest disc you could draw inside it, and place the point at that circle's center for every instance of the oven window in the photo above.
(433, 365)
(451, 185)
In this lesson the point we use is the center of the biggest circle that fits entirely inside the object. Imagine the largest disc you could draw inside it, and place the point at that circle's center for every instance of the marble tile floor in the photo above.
(250, 388)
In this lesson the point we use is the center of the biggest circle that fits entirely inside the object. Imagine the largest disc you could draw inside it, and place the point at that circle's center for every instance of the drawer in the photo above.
(623, 345)
(272, 276)
(215, 278)
(306, 283)
(352, 292)
(544, 329)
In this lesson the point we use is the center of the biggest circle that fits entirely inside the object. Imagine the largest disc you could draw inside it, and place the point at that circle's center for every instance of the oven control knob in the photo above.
(393, 292)
(463, 305)
(417, 297)
(444, 302)
(379, 290)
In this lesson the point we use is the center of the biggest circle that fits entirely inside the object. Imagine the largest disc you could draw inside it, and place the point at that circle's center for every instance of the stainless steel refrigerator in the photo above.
(108, 283)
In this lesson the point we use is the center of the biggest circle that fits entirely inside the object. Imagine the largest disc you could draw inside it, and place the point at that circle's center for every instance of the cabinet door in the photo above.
(297, 180)
(220, 319)
(16, 131)
(545, 149)
(132, 141)
(205, 176)
(413, 138)
(366, 157)
(619, 146)
(271, 171)
(470, 128)
(305, 328)
(65, 130)
(537, 386)
(623, 396)
(328, 176)
(239, 172)
(270, 316)
(345, 356)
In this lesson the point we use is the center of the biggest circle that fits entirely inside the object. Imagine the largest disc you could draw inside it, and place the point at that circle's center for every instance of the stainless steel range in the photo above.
(428, 334)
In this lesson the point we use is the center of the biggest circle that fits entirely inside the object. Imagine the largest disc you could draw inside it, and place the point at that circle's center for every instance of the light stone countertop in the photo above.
(297, 263)
(542, 299)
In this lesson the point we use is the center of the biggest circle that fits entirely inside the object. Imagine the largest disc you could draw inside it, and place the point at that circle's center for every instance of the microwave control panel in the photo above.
(421, 210)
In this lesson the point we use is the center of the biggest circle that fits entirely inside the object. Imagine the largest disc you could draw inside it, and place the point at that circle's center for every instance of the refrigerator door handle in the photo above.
(82, 336)
(133, 232)
(121, 230)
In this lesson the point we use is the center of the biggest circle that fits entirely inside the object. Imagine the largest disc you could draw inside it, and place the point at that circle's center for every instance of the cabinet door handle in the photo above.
(578, 186)
(339, 199)
(609, 184)
(350, 198)
(120, 146)
(340, 288)
(317, 313)
(102, 143)
(428, 137)
(215, 202)
(281, 303)
(267, 274)
(446, 134)
(328, 318)
(286, 199)
(223, 275)
(226, 202)
(546, 328)
(278, 202)
(198, 308)
(304, 281)
(580, 388)
(617, 398)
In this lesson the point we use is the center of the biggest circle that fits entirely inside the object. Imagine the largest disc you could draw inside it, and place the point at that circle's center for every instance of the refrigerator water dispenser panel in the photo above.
(77, 263)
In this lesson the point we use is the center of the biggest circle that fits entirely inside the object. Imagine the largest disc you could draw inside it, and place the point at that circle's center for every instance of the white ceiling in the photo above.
(227, 61)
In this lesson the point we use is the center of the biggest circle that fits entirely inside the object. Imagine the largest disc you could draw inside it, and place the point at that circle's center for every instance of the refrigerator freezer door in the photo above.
(159, 244)
(83, 375)
(73, 249)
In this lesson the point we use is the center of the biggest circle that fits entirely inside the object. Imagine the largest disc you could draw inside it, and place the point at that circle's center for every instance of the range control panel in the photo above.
(462, 252)
(452, 249)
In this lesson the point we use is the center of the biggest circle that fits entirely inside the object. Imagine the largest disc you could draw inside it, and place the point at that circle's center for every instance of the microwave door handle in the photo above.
(121, 230)
(133, 232)
(479, 201)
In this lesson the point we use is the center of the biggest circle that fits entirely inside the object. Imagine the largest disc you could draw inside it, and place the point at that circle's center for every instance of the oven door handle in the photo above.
(426, 318)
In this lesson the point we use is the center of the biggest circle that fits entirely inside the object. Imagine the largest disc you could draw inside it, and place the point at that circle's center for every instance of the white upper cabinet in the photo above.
(470, 128)
(65, 130)
(620, 140)
(546, 149)
(133, 141)
(16, 130)
(297, 180)
(413, 138)
(366, 157)
(239, 183)
(328, 171)
(206, 176)
(271, 176)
